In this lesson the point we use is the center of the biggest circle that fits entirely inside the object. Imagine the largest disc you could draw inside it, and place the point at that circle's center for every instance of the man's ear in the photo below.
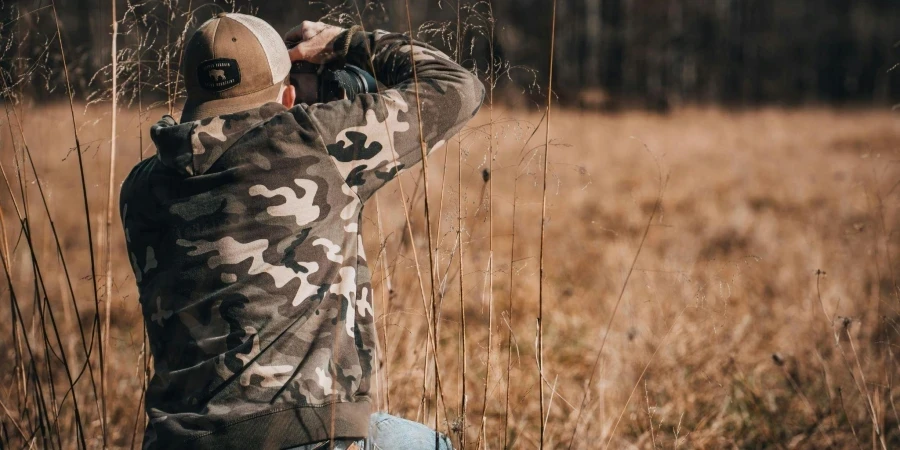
(288, 96)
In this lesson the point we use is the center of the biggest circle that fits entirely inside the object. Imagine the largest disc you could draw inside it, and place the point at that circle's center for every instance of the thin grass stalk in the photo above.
(550, 403)
(145, 373)
(876, 209)
(891, 386)
(482, 435)
(145, 366)
(4, 244)
(385, 292)
(437, 252)
(656, 207)
(26, 151)
(431, 268)
(19, 367)
(43, 417)
(14, 311)
(22, 178)
(650, 416)
(38, 279)
(137, 418)
(13, 420)
(43, 420)
(459, 228)
(875, 428)
(436, 285)
(87, 214)
(47, 426)
(110, 199)
(540, 318)
(423, 403)
(140, 99)
(512, 254)
(147, 363)
(870, 410)
(377, 358)
(41, 306)
(509, 309)
(880, 337)
(641, 377)
(21, 377)
(45, 307)
(170, 96)
(490, 181)
(462, 300)
(68, 318)
(190, 15)
(440, 215)
(849, 422)
(886, 235)
(18, 363)
(142, 356)
(21, 381)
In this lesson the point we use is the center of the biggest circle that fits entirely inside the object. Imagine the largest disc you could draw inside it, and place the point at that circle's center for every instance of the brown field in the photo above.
(762, 311)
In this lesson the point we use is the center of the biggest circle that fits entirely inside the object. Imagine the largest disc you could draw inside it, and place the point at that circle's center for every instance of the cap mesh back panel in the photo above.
(272, 44)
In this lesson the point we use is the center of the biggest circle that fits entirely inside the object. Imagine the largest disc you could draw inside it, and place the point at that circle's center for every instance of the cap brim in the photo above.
(196, 110)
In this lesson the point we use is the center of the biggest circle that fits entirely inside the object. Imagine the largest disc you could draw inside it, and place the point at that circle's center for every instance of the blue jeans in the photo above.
(387, 432)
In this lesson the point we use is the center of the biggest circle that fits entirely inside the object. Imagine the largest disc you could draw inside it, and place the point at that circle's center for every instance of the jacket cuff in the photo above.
(354, 46)
(343, 44)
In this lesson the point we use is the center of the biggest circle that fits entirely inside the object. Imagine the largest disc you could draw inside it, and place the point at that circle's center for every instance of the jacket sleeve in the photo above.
(376, 136)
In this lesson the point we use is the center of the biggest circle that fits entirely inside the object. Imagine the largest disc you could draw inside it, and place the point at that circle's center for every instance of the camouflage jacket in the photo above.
(244, 237)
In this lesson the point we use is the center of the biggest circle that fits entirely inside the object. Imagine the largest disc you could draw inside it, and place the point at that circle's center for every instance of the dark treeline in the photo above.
(609, 53)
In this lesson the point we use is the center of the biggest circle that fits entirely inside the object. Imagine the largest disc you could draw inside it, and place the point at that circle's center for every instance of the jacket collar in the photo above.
(191, 148)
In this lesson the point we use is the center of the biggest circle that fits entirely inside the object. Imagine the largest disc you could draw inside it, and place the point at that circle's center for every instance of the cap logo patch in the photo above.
(219, 74)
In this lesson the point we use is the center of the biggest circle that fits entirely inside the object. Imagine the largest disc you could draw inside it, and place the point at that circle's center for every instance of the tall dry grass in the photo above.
(707, 279)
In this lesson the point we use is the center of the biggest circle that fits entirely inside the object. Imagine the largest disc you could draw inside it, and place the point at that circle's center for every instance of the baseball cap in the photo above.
(233, 62)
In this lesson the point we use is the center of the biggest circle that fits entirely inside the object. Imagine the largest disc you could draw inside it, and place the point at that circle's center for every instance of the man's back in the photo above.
(244, 238)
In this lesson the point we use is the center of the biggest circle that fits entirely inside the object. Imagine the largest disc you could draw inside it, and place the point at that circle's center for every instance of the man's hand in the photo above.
(314, 42)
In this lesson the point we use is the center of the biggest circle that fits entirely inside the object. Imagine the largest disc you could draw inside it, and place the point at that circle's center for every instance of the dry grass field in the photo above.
(762, 309)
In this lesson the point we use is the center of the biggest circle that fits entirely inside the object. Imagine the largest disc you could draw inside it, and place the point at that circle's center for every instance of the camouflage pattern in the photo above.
(341, 444)
(243, 234)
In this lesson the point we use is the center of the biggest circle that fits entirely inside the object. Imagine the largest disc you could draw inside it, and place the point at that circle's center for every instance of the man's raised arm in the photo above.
(376, 136)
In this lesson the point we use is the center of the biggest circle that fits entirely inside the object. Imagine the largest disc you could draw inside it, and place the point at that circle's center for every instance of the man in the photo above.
(243, 233)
